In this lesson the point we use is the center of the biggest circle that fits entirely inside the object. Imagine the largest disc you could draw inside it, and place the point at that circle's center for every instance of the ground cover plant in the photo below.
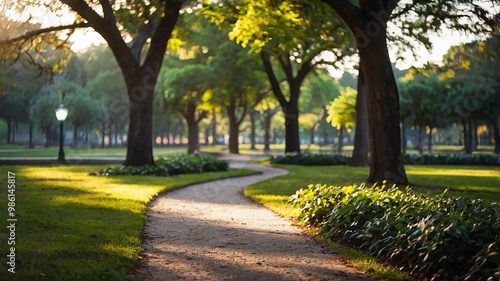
(439, 236)
(171, 165)
(72, 226)
(477, 182)
(409, 159)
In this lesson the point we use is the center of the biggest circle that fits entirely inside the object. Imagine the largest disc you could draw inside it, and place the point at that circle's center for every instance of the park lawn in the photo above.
(472, 181)
(72, 226)
(84, 152)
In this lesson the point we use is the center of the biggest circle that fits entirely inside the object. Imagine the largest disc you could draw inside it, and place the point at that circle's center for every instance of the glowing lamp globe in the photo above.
(61, 113)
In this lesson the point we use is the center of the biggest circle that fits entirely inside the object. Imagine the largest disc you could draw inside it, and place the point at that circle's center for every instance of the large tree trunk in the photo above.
(75, 136)
(140, 132)
(383, 112)
(369, 26)
(361, 138)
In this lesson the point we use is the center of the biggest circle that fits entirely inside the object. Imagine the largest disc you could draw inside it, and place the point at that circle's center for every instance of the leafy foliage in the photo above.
(310, 159)
(342, 110)
(459, 159)
(172, 165)
(431, 235)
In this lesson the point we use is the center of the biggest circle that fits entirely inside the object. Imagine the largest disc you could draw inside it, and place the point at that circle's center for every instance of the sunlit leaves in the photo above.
(342, 111)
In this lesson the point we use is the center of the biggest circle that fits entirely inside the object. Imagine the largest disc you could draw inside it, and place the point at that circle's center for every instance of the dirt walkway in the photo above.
(211, 231)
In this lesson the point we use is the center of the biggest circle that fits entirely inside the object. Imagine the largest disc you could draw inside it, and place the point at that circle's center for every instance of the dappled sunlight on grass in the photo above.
(493, 172)
(75, 226)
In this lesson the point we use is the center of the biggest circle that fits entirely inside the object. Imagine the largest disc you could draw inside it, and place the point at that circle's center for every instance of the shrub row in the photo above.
(310, 159)
(172, 165)
(453, 159)
(409, 159)
(434, 236)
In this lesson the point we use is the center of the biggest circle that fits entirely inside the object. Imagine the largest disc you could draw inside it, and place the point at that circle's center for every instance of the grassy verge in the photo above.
(72, 226)
(474, 182)
(82, 152)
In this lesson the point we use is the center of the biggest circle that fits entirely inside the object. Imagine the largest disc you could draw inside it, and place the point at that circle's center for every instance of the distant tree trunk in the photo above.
(103, 139)
(193, 135)
(110, 130)
(467, 137)
(234, 125)
(430, 140)
(496, 133)
(9, 129)
(47, 137)
(75, 136)
(491, 134)
(403, 136)
(420, 143)
(214, 128)
(31, 144)
(325, 134)
(341, 139)
(116, 135)
(14, 130)
(311, 135)
(361, 138)
(267, 128)
(193, 130)
(476, 137)
(252, 129)
(207, 134)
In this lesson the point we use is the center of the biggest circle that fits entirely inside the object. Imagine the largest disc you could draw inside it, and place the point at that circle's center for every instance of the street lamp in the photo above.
(61, 113)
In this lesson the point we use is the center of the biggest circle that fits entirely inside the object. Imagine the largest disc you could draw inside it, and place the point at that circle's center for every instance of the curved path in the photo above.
(210, 231)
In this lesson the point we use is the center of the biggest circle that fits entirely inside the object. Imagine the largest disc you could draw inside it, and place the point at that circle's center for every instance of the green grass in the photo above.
(472, 181)
(97, 152)
(74, 226)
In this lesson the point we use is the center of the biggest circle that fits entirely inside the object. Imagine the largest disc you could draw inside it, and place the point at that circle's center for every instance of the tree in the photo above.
(369, 22)
(147, 22)
(342, 113)
(292, 35)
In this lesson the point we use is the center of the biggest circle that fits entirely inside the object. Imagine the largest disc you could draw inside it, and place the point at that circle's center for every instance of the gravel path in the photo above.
(211, 231)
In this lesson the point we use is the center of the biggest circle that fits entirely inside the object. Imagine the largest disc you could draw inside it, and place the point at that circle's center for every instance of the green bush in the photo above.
(453, 159)
(172, 165)
(450, 238)
(310, 159)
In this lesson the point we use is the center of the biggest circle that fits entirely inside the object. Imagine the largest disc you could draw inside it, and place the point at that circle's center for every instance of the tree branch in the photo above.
(35, 33)
(109, 15)
(346, 10)
(275, 85)
(162, 34)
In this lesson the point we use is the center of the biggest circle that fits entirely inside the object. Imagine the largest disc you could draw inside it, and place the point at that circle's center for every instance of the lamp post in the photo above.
(61, 113)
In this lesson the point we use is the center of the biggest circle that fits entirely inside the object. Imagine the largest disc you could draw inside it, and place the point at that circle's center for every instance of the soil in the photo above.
(210, 231)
